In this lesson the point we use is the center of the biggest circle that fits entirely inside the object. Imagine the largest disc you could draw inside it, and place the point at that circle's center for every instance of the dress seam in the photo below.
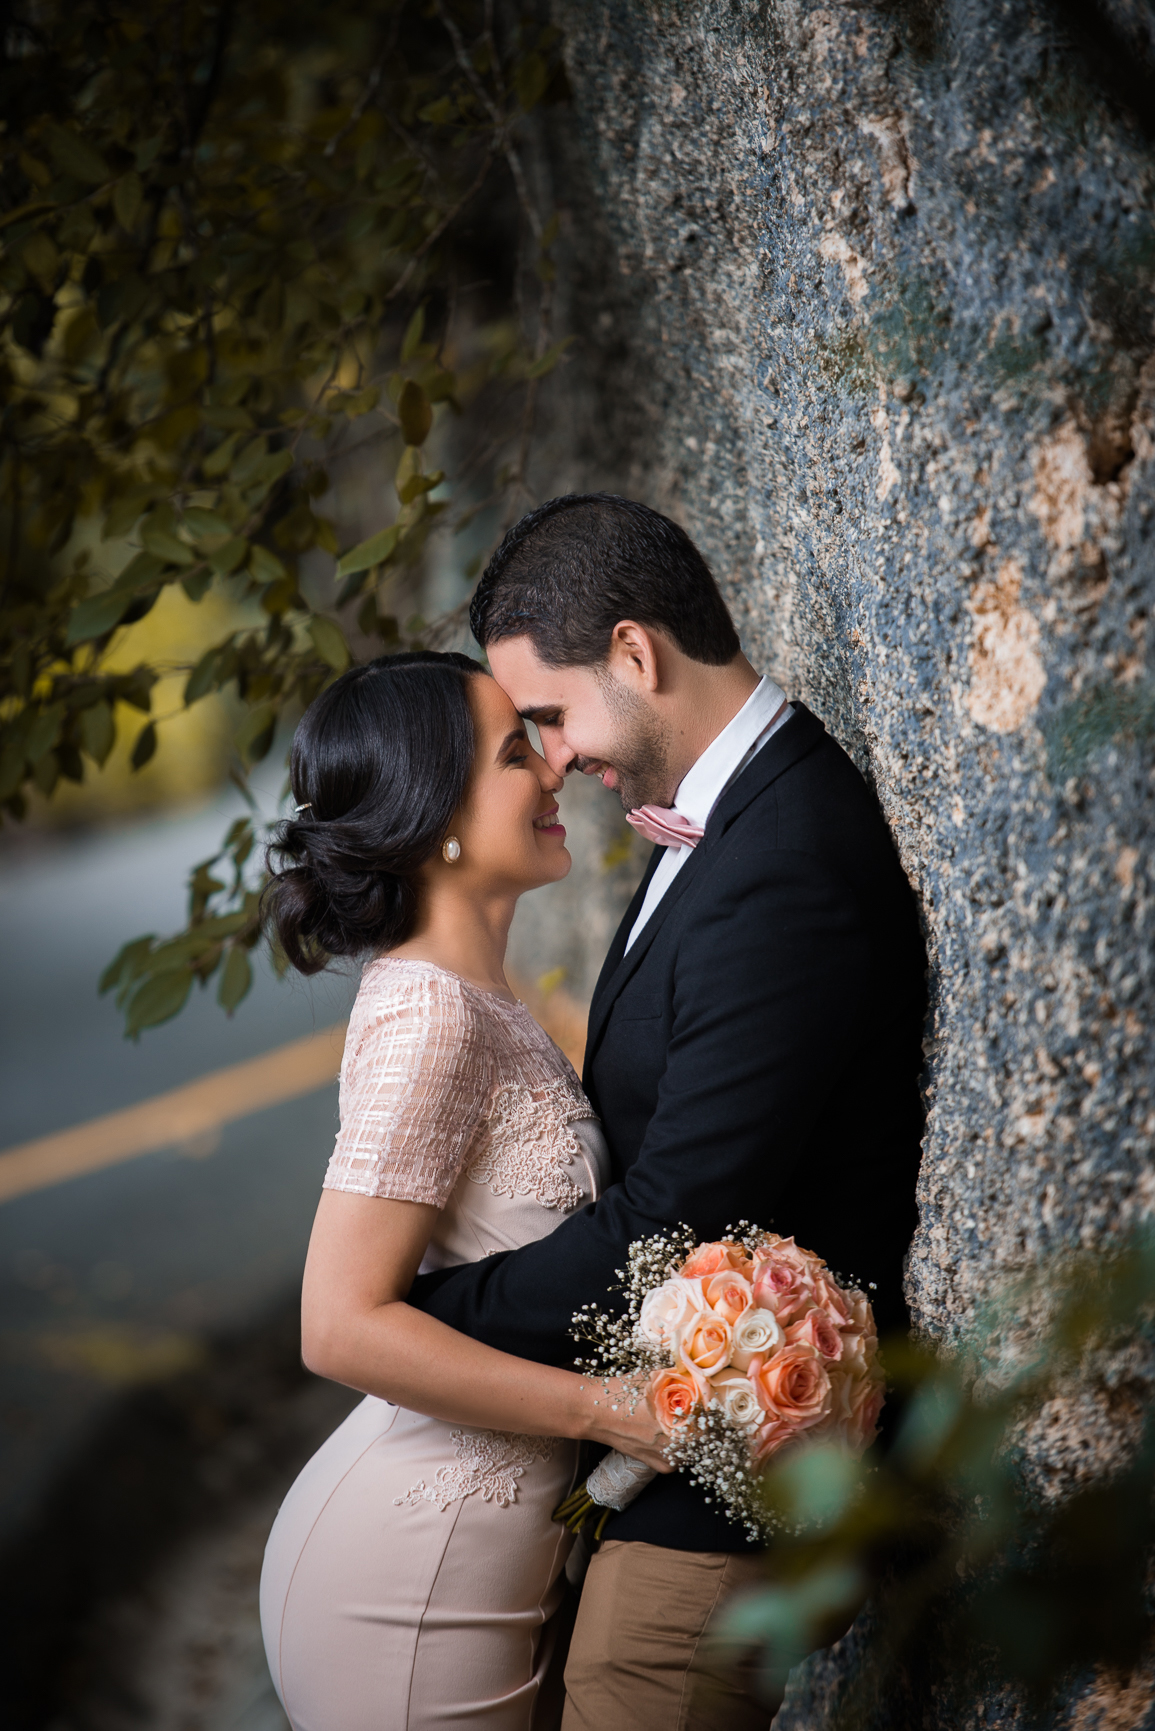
(425, 1610)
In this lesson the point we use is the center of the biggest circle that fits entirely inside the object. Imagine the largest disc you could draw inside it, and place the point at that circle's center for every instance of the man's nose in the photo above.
(558, 755)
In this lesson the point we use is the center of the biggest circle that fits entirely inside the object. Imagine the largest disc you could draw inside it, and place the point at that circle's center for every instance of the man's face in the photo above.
(588, 720)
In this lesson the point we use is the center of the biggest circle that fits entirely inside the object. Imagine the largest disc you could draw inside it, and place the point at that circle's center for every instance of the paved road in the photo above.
(119, 1275)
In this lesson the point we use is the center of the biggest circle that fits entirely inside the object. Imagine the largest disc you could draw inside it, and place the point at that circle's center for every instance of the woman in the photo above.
(414, 1565)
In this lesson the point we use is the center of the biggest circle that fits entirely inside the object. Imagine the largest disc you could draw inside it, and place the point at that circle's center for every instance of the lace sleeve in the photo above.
(414, 1085)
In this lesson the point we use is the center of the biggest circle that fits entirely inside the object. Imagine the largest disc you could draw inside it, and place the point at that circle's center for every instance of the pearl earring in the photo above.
(451, 850)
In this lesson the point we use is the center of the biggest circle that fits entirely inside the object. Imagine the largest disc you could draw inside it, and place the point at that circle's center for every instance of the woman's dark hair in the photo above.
(380, 761)
(569, 571)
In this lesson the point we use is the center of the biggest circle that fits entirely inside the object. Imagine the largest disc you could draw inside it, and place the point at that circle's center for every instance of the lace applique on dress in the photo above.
(488, 1461)
(527, 1140)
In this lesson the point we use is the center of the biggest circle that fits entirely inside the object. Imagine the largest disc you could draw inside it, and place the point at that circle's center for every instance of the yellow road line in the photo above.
(196, 1109)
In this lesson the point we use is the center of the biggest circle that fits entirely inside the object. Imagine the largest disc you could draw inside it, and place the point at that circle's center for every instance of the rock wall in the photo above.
(866, 303)
(864, 298)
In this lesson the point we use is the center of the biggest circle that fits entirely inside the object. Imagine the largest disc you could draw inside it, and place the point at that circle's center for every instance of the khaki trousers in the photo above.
(637, 1660)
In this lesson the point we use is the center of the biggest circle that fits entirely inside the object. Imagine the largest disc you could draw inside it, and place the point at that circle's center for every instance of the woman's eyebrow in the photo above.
(514, 733)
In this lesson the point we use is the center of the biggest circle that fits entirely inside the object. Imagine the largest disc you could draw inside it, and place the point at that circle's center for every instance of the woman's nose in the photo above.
(550, 778)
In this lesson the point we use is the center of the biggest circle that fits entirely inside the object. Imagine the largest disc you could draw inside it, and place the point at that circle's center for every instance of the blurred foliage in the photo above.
(982, 1572)
(233, 237)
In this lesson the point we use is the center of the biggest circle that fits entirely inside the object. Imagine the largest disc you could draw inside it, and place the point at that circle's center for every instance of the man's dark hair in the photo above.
(569, 571)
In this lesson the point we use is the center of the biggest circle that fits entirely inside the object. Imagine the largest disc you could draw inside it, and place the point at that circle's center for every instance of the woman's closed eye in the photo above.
(514, 748)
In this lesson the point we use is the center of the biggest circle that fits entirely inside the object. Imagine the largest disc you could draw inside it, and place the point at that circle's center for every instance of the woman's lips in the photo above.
(547, 823)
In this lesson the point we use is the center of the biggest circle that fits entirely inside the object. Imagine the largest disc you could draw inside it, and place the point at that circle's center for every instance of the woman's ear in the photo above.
(634, 658)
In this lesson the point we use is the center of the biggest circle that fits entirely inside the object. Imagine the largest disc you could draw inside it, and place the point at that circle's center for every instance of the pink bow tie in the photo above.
(661, 824)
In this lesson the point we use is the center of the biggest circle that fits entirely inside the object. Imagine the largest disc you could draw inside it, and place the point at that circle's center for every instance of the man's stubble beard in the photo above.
(641, 753)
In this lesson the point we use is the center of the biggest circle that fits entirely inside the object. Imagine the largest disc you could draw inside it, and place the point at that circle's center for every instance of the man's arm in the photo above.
(772, 985)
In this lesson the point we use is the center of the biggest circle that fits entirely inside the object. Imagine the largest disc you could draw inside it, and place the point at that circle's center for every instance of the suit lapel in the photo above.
(625, 927)
(798, 737)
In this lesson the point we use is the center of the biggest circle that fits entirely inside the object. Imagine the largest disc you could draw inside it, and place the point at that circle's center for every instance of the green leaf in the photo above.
(375, 551)
(276, 464)
(219, 461)
(127, 198)
(203, 525)
(139, 573)
(546, 363)
(165, 544)
(126, 962)
(100, 613)
(415, 412)
(255, 734)
(265, 566)
(145, 746)
(12, 762)
(74, 156)
(236, 979)
(362, 403)
(226, 558)
(196, 583)
(202, 679)
(414, 331)
(329, 642)
(159, 999)
(244, 469)
(418, 484)
(97, 730)
(438, 113)
(43, 732)
(123, 513)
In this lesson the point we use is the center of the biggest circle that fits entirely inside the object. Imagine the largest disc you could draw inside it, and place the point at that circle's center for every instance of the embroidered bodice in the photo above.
(453, 1096)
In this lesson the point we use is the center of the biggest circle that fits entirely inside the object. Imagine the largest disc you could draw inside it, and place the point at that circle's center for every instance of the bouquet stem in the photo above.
(576, 1510)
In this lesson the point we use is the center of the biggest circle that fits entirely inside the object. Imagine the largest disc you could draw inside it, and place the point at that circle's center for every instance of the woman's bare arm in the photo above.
(357, 1329)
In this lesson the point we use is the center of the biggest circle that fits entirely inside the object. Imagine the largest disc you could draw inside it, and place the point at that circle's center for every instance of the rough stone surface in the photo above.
(864, 298)
(884, 340)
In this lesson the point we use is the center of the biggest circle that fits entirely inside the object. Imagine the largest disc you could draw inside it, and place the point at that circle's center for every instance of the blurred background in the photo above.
(386, 358)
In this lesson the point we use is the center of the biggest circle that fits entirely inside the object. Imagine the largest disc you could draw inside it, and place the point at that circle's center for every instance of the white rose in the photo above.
(756, 1331)
(736, 1396)
(668, 1308)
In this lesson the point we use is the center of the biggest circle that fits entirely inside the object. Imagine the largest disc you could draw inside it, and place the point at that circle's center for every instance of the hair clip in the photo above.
(298, 809)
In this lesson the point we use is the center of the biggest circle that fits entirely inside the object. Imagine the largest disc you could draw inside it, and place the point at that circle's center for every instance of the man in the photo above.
(754, 1037)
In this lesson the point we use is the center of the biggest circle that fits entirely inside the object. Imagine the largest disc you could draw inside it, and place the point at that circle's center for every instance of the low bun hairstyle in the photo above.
(381, 759)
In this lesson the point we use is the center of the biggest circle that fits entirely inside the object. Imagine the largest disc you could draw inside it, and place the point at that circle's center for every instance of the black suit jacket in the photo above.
(754, 1056)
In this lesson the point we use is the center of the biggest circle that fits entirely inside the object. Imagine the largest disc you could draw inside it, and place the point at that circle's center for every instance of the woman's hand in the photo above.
(609, 1420)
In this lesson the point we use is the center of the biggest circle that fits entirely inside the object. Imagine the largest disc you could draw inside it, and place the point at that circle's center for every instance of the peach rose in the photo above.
(793, 1385)
(713, 1258)
(669, 1307)
(674, 1396)
(783, 1288)
(833, 1301)
(861, 1317)
(703, 1342)
(786, 1250)
(769, 1437)
(817, 1330)
(730, 1294)
(738, 1398)
(854, 1352)
(756, 1331)
(867, 1399)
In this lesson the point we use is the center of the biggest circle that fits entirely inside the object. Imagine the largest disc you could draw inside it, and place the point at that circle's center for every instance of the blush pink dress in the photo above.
(414, 1566)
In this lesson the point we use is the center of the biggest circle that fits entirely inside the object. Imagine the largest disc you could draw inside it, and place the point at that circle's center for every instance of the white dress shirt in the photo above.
(702, 787)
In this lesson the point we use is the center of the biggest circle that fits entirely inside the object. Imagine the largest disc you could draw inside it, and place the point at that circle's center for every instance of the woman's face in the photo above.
(507, 824)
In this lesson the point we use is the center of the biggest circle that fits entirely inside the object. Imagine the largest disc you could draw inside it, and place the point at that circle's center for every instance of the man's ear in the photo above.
(635, 656)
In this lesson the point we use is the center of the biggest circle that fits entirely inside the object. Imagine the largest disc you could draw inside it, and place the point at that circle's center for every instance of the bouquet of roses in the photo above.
(741, 1347)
